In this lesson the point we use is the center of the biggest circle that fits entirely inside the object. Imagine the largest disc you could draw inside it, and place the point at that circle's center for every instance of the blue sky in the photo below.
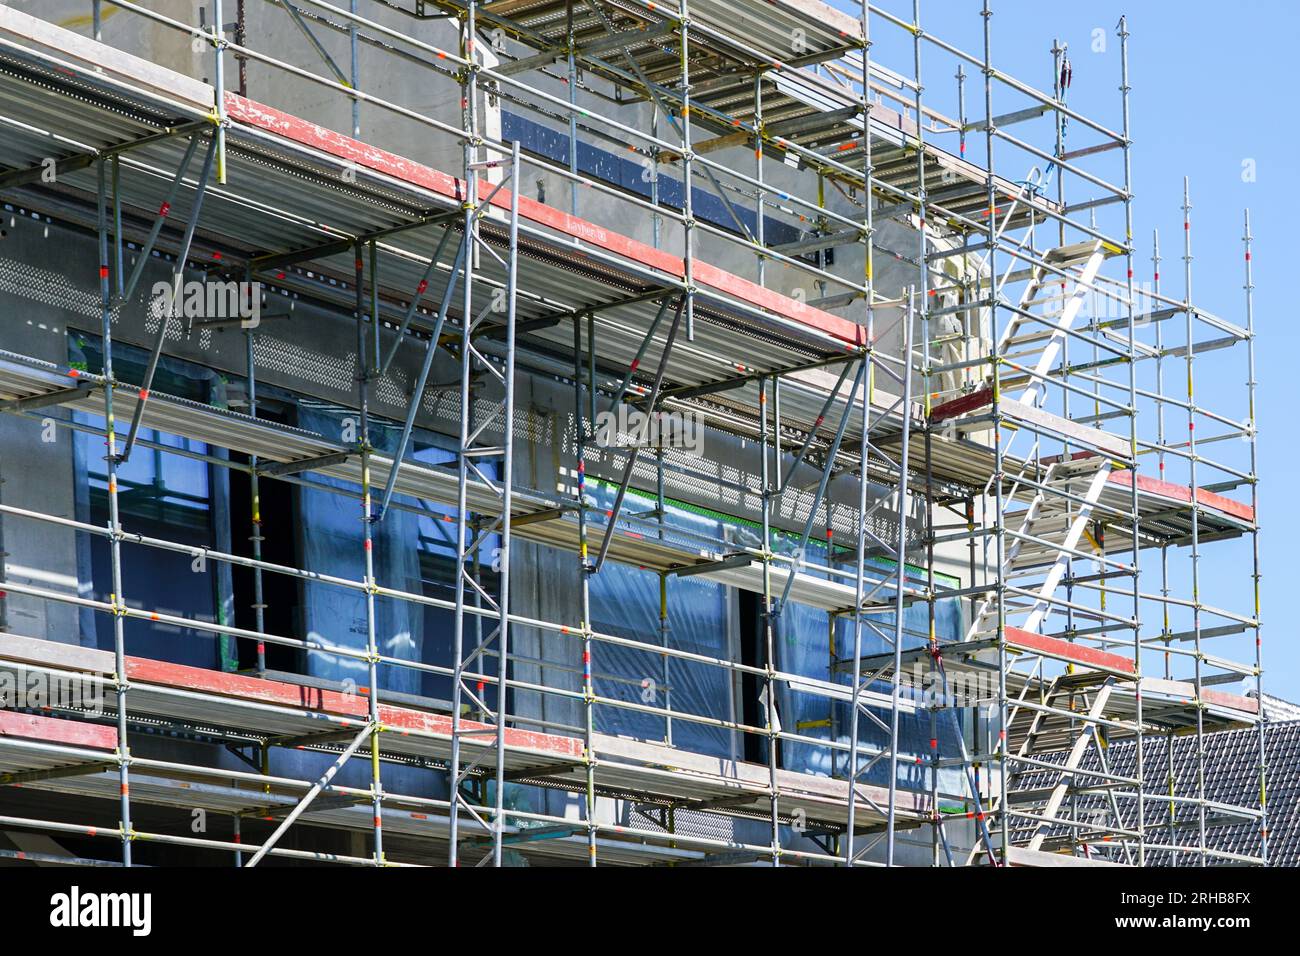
(1212, 99)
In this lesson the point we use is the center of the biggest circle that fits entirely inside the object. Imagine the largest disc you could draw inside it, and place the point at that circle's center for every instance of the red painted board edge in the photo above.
(1079, 653)
(251, 113)
(73, 733)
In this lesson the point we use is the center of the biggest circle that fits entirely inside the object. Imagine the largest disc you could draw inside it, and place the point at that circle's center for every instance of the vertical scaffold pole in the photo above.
(769, 624)
(1195, 537)
(469, 128)
(688, 215)
(999, 525)
(1129, 292)
(354, 76)
(1262, 721)
(255, 503)
(867, 395)
(117, 599)
(900, 583)
(571, 77)
(219, 85)
(1166, 629)
(584, 588)
(759, 192)
(367, 534)
(910, 316)
(506, 482)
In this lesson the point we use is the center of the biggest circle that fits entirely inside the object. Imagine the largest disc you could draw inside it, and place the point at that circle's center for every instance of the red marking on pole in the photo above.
(144, 394)
(103, 272)
(419, 289)
(367, 544)
(164, 209)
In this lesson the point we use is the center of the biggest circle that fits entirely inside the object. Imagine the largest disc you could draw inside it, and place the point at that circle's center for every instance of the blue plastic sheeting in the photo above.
(162, 495)
(625, 602)
(332, 543)
(635, 178)
(803, 647)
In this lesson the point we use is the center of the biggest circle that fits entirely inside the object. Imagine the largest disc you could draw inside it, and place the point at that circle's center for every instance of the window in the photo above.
(164, 491)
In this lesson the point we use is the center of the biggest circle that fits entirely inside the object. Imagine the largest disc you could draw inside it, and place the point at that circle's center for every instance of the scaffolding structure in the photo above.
(1007, 404)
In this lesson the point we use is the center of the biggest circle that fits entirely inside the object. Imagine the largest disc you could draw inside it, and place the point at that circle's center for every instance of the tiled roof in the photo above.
(1231, 777)
(1276, 709)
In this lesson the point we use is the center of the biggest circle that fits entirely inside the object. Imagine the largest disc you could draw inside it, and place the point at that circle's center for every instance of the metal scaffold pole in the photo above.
(585, 570)
(688, 166)
(999, 524)
(1195, 536)
(368, 548)
(117, 598)
(255, 504)
(1130, 293)
(505, 481)
(1255, 572)
(900, 582)
(464, 530)
(868, 394)
(768, 612)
